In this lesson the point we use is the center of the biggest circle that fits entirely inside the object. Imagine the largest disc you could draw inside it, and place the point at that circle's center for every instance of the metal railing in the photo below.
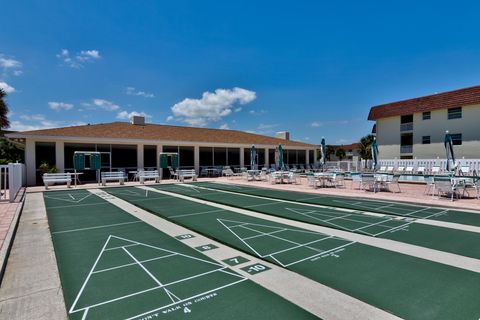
(406, 126)
(406, 149)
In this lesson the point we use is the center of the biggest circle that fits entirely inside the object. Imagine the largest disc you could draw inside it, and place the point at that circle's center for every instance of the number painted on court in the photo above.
(255, 268)
(185, 236)
(206, 247)
(235, 260)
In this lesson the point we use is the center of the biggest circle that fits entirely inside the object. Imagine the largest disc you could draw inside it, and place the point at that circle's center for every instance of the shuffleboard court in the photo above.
(114, 266)
(386, 207)
(401, 229)
(406, 286)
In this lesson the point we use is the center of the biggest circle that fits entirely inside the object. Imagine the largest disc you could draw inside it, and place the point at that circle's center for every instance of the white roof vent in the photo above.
(137, 120)
(285, 135)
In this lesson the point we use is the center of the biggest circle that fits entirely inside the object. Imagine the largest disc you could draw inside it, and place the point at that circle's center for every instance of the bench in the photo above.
(113, 176)
(182, 174)
(52, 178)
(146, 175)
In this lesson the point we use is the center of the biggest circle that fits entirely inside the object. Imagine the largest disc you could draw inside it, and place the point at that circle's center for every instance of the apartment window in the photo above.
(455, 113)
(426, 140)
(456, 139)
(426, 115)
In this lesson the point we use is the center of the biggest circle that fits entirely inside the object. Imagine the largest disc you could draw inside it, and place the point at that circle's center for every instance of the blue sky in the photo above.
(313, 68)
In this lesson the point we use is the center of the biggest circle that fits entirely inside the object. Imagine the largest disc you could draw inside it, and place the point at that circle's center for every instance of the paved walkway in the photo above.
(410, 192)
(31, 286)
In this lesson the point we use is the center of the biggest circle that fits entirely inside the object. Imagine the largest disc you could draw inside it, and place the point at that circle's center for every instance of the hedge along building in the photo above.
(136, 145)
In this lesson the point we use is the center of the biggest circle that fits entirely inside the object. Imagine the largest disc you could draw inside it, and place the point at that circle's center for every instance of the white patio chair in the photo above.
(444, 185)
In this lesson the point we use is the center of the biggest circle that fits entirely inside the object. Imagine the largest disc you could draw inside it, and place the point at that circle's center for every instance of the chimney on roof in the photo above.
(137, 120)
(285, 135)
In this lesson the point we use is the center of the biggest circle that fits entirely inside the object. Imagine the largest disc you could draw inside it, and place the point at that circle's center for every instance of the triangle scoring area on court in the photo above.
(124, 260)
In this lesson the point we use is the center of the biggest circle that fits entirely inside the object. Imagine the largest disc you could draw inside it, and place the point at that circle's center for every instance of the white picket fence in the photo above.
(467, 166)
(12, 179)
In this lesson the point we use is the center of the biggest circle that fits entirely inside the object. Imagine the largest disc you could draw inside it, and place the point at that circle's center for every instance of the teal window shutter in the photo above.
(174, 161)
(79, 161)
(163, 161)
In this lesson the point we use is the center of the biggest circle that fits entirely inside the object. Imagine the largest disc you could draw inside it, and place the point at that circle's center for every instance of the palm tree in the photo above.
(364, 148)
(4, 122)
(329, 150)
(340, 153)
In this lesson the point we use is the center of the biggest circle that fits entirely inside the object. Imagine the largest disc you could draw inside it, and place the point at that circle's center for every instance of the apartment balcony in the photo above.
(406, 149)
(406, 126)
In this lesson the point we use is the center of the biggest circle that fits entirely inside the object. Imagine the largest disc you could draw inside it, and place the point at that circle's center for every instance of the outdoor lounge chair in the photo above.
(409, 169)
(420, 170)
(400, 169)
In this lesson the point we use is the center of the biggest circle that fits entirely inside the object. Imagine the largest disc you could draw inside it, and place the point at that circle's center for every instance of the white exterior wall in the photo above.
(388, 137)
(388, 134)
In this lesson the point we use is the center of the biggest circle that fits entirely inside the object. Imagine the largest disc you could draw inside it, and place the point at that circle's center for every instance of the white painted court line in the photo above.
(72, 308)
(195, 213)
(322, 253)
(170, 295)
(72, 199)
(133, 263)
(77, 205)
(97, 227)
(186, 299)
(125, 246)
(262, 235)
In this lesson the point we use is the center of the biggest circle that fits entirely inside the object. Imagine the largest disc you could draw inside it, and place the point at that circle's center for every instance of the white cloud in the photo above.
(317, 124)
(9, 63)
(6, 87)
(78, 60)
(86, 55)
(60, 106)
(212, 106)
(104, 104)
(224, 126)
(263, 126)
(33, 117)
(170, 118)
(128, 115)
(131, 91)
(38, 121)
(257, 113)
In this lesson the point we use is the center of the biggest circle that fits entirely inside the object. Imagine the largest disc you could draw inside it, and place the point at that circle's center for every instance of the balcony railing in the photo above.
(406, 126)
(406, 149)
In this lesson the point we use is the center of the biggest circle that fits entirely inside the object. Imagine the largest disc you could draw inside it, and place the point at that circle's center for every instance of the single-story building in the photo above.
(136, 145)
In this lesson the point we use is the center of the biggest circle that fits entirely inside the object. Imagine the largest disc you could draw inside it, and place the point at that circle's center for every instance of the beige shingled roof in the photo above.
(125, 130)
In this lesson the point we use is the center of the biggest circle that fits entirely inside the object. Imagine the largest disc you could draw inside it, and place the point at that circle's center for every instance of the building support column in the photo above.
(307, 156)
(140, 165)
(267, 160)
(196, 159)
(60, 156)
(242, 157)
(159, 150)
(30, 162)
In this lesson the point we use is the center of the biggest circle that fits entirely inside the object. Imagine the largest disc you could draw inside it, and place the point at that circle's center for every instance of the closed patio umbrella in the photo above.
(374, 154)
(253, 156)
(449, 150)
(323, 151)
(279, 157)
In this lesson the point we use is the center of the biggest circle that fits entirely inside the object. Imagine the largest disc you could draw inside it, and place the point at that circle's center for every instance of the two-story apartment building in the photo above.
(415, 128)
